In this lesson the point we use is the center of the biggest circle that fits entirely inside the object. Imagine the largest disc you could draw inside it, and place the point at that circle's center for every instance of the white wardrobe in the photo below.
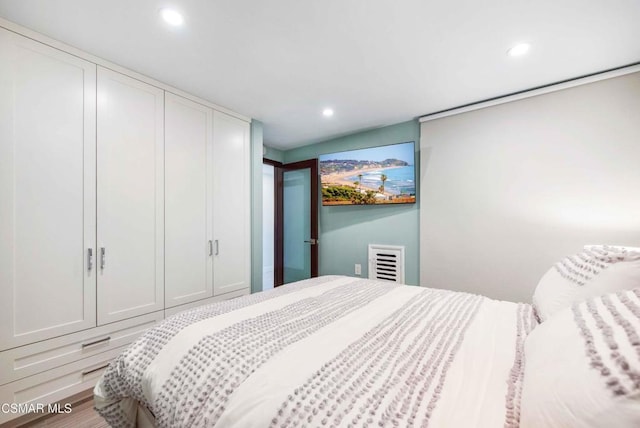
(130, 197)
(122, 201)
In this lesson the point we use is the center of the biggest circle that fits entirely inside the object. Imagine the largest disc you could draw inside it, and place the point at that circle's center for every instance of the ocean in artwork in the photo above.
(400, 180)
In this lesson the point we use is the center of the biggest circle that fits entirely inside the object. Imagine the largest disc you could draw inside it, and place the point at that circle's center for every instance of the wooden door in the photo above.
(231, 204)
(47, 191)
(188, 201)
(130, 177)
(298, 243)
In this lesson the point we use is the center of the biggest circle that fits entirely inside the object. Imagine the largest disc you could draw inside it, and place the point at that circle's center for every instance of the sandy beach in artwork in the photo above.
(340, 179)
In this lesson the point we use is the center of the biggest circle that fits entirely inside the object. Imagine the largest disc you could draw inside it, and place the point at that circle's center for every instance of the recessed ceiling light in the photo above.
(328, 112)
(172, 17)
(519, 49)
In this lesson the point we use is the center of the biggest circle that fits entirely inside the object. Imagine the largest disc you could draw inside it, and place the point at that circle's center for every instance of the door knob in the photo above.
(312, 241)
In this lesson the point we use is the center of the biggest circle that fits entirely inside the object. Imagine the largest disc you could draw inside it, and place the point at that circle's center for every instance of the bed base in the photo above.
(144, 418)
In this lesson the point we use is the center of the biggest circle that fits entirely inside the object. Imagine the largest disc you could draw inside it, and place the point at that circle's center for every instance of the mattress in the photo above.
(329, 351)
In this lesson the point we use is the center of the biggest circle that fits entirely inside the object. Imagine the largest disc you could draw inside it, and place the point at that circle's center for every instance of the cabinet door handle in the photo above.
(89, 258)
(210, 247)
(103, 257)
(217, 247)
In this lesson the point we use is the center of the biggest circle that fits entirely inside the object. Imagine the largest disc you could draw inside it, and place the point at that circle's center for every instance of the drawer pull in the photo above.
(96, 342)
(88, 372)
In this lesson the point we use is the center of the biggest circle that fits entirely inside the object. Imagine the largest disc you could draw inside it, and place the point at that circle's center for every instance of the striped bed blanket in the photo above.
(331, 351)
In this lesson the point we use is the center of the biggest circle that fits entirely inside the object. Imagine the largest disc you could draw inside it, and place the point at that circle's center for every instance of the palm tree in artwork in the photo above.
(383, 178)
(360, 177)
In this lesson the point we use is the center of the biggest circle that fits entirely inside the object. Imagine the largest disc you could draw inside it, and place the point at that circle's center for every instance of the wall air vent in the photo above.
(386, 262)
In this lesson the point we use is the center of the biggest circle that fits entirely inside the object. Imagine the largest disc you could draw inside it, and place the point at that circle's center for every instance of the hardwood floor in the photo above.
(82, 415)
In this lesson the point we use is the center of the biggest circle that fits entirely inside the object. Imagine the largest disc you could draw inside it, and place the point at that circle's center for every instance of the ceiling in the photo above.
(374, 62)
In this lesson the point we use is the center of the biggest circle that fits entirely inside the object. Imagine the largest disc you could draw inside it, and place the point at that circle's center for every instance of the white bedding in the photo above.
(331, 351)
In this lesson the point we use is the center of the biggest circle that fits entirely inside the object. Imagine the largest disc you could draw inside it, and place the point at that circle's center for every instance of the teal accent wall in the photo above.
(346, 231)
(256, 206)
(274, 154)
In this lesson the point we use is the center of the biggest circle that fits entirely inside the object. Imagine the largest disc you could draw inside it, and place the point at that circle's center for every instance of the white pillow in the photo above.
(592, 272)
(582, 366)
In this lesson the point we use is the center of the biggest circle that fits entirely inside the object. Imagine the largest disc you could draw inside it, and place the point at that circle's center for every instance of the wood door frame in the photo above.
(279, 169)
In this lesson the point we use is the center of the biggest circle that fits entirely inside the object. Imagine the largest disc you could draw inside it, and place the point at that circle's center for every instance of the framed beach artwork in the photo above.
(373, 176)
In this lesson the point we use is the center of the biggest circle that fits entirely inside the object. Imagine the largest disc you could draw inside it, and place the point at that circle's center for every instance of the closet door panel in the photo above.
(130, 197)
(188, 199)
(231, 209)
(47, 191)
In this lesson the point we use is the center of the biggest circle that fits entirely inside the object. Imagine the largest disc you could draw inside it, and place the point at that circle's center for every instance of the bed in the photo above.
(340, 351)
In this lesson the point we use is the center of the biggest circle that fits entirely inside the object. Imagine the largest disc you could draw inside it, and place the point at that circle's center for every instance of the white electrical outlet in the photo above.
(358, 269)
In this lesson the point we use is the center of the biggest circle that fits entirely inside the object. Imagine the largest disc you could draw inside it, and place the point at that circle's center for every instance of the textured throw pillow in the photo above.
(594, 271)
(582, 366)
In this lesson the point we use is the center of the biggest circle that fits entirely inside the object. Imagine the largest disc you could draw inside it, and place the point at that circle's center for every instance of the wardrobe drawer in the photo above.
(54, 385)
(38, 357)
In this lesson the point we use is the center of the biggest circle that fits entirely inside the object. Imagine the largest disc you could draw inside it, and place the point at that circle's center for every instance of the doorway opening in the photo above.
(290, 222)
(268, 226)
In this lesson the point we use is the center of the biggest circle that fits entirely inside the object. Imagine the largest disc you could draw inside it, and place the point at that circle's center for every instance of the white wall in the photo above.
(508, 190)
